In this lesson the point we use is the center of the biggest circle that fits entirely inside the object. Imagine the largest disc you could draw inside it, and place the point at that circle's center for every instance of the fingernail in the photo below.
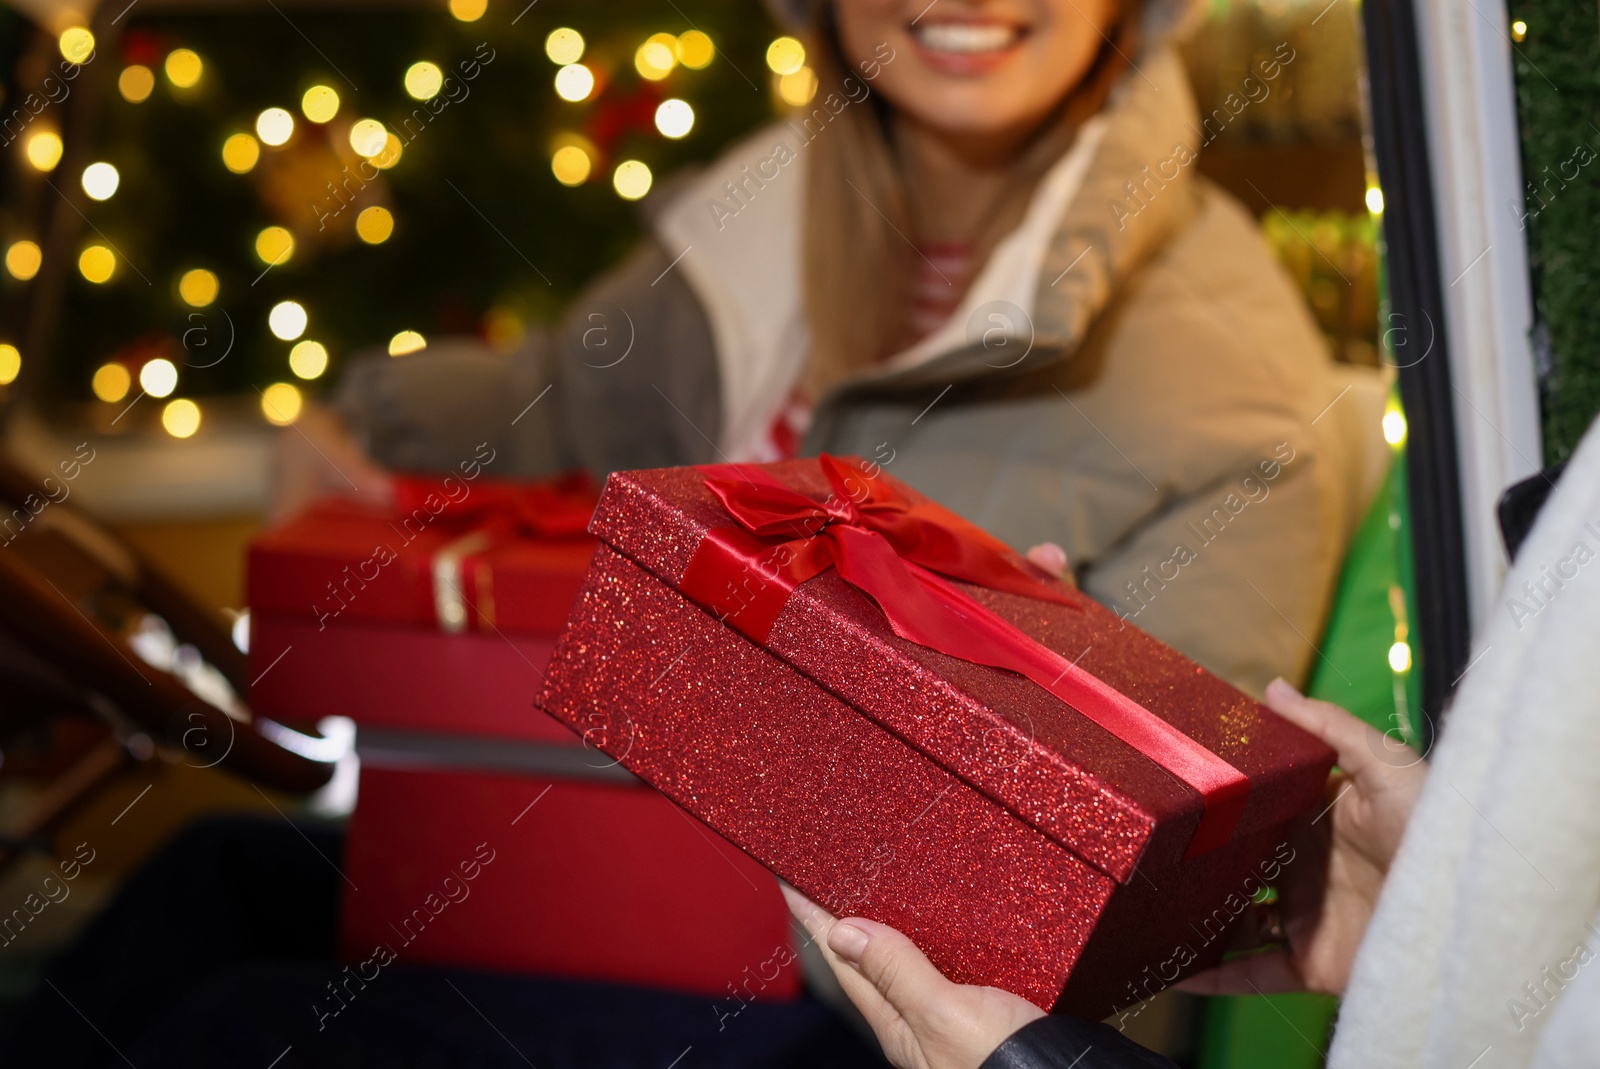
(1284, 688)
(848, 941)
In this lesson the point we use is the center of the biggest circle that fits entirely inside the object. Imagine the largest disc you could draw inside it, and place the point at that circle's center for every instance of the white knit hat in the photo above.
(1163, 20)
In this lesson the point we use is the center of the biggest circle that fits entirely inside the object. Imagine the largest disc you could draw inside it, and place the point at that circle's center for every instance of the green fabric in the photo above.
(1292, 1031)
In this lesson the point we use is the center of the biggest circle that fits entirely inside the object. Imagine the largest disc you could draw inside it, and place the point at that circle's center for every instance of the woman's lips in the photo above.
(966, 47)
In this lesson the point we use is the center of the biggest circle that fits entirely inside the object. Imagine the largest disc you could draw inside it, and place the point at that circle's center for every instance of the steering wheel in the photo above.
(72, 594)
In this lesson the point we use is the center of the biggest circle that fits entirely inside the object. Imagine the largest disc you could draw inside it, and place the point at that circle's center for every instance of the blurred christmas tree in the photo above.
(291, 186)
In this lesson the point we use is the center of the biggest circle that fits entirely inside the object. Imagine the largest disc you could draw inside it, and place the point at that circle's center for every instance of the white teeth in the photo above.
(965, 37)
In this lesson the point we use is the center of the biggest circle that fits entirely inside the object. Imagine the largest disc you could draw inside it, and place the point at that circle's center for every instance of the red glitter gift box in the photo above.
(482, 826)
(905, 720)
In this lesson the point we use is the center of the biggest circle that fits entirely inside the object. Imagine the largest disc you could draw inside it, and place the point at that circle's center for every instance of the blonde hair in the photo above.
(857, 262)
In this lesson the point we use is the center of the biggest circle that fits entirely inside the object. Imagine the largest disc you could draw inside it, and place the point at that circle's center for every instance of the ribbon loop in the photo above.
(901, 553)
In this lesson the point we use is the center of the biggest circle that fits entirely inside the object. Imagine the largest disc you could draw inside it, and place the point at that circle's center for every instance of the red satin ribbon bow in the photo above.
(552, 508)
(895, 551)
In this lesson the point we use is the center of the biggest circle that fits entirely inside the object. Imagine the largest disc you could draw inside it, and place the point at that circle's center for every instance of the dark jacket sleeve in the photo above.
(1058, 1042)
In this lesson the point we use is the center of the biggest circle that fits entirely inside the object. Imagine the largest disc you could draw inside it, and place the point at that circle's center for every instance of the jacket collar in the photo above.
(1100, 212)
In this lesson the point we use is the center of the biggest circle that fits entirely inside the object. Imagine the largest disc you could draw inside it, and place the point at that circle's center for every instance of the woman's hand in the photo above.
(315, 457)
(1327, 895)
(922, 1020)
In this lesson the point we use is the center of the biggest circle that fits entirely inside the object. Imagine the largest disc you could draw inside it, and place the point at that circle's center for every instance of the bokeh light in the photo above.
(1400, 657)
(424, 80)
(631, 179)
(797, 89)
(468, 10)
(574, 82)
(368, 137)
(656, 57)
(564, 46)
(1394, 426)
(44, 150)
(1374, 200)
(389, 155)
(183, 67)
(181, 418)
(374, 225)
(198, 287)
(77, 44)
(695, 50)
(274, 245)
(111, 382)
(275, 126)
(281, 403)
(287, 320)
(136, 82)
(100, 180)
(10, 363)
(158, 377)
(786, 55)
(23, 259)
(1519, 31)
(308, 359)
(571, 165)
(407, 341)
(674, 118)
(320, 103)
(240, 153)
(97, 263)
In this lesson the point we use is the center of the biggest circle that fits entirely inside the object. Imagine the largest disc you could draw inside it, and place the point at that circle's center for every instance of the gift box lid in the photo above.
(1003, 734)
(348, 560)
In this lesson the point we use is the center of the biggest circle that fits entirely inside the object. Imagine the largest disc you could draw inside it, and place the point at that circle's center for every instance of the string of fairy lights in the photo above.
(574, 161)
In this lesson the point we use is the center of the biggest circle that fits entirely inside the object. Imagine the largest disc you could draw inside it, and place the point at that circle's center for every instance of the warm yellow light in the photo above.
(183, 67)
(798, 88)
(240, 153)
(280, 403)
(368, 137)
(389, 155)
(96, 263)
(274, 126)
(574, 82)
(374, 225)
(308, 359)
(1519, 31)
(1394, 427)
(100, 180)
(198, 287)
(571, 165)
(1374, 200)
(424, 80)
(564, 46)
(135, 83)
(44, 150)
(181, 418)
(23, 259)
(407, 341)
(274, 245)
(674, 118)
(10, 364)
(656, 57)
(695, 50)
(1400, 657)
(111, 382)
(786, 55)
(468, 10)
(631, 179)
(287, 320)
(77, 44)
(320, 103)
(159, 377)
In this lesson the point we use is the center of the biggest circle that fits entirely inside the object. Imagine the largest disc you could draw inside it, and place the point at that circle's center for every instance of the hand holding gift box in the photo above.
(905, 720)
